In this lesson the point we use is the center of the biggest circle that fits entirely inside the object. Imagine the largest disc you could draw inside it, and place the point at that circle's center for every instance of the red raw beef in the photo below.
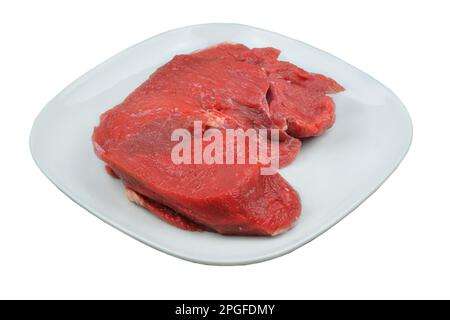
(226, 86)
(134, 139)
(221, 82)
(297, 99)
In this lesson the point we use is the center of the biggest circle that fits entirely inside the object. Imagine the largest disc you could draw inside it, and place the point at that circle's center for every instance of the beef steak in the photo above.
(228, 86)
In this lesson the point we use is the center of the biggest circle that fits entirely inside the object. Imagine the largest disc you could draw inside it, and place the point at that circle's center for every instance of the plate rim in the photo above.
(209, 261)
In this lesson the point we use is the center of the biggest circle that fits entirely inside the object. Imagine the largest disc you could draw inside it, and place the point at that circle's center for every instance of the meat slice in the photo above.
(298, 101)
(230, 199)
(220, 82)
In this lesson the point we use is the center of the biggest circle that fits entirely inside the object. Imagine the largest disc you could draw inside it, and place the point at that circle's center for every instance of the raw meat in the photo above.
(298, 101)
(225, 83)
(134, 140)
(226, 86)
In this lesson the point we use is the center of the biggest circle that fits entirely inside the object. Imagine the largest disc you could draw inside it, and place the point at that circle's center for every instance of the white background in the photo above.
(396, 245)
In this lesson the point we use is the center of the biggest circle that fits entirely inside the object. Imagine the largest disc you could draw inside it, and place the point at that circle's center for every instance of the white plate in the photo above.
(333, 173)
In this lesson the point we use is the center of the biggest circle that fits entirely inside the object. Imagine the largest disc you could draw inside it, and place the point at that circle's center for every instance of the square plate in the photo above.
(334, 173)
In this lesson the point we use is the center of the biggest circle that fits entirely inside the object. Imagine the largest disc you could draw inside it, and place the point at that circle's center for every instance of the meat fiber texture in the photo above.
(225, 86)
